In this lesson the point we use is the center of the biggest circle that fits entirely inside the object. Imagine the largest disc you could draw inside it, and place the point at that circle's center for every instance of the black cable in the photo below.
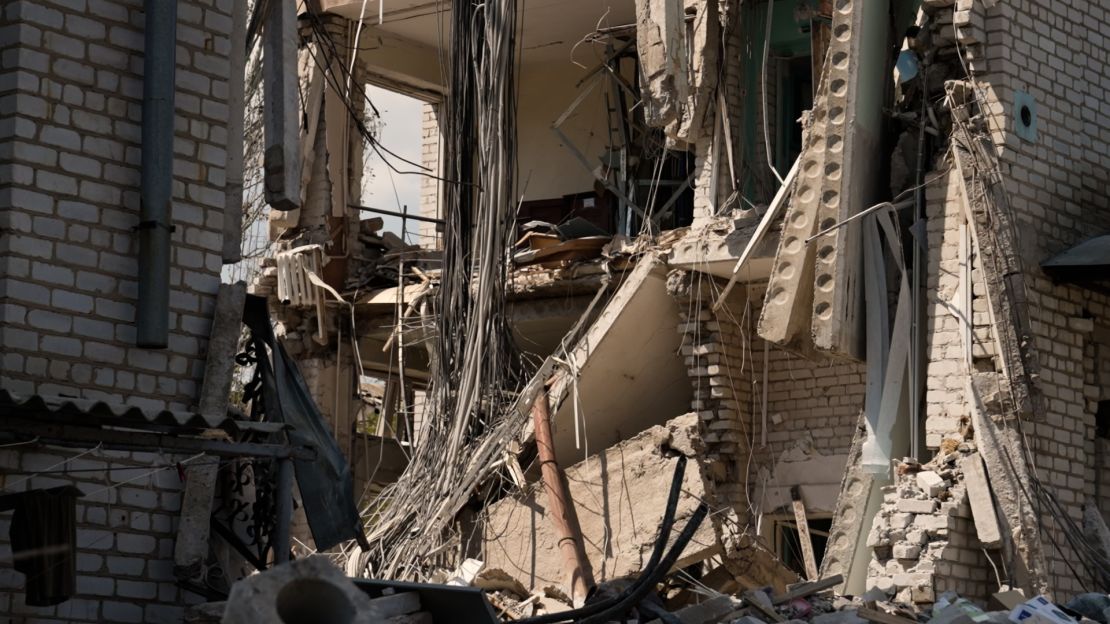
(661, 539)
(326, 44)
(656, 574)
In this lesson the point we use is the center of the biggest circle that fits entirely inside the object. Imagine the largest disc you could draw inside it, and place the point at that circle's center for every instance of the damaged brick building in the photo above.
(839, 262)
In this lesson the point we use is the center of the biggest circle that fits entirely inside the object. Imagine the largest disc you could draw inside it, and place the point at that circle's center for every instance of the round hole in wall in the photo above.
(1026, 115)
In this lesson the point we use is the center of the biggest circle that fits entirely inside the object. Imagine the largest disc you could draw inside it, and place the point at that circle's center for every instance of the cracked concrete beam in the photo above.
(787, 303)
(854, 77)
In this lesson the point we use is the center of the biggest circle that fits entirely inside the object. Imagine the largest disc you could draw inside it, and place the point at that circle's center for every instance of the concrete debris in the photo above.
(619, 496)
(313, 590)
(925, 532)
(466, 572)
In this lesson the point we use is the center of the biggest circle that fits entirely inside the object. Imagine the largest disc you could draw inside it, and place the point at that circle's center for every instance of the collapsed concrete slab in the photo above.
(629, 374)
(715, 248)
(620, 495)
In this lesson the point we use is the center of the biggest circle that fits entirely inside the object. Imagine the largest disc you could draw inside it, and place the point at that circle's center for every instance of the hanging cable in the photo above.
(763, 91)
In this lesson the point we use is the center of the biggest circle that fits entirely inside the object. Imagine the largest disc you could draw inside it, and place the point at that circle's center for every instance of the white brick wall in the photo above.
(1058, 189)
(70, 149)
(431, 190)
(125, 536)
(808, 395)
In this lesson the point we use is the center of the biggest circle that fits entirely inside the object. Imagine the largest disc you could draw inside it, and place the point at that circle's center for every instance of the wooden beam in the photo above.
(882, 617)
(803, 533)
(808, 589)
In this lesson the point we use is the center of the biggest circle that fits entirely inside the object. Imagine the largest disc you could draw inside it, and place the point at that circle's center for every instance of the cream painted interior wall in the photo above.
(547, 168)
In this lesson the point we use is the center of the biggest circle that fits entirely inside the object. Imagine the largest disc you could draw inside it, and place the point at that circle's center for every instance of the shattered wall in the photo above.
(951, 269)
(1055, 179)
(71, 87)
(717, 363)
(924, 541)
(813, 404)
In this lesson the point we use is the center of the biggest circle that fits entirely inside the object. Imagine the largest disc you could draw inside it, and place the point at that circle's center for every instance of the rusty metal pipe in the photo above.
(560, 506)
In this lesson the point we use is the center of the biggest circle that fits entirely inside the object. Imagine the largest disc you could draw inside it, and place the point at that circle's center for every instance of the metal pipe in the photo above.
(159, 74)
(560, 506)
(284, 506)
(394, 213)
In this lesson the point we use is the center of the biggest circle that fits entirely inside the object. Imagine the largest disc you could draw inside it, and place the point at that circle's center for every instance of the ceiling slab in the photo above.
(551, 28)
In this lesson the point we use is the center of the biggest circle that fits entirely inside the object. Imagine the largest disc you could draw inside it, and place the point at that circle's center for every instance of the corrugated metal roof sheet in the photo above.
(89, 412)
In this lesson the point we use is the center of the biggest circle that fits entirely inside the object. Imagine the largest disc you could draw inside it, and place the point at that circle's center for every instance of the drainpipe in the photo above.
(159, 70)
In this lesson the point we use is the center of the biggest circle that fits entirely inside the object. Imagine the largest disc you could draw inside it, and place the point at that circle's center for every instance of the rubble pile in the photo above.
(923, 530)
(381, 255)
(806, 602)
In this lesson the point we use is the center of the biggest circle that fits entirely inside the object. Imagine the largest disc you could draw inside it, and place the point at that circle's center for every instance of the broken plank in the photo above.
(803, 533)
(808, 589)
(882, 617)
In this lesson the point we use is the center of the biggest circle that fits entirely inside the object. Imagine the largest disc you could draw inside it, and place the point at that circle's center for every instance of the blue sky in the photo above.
(400, 133)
